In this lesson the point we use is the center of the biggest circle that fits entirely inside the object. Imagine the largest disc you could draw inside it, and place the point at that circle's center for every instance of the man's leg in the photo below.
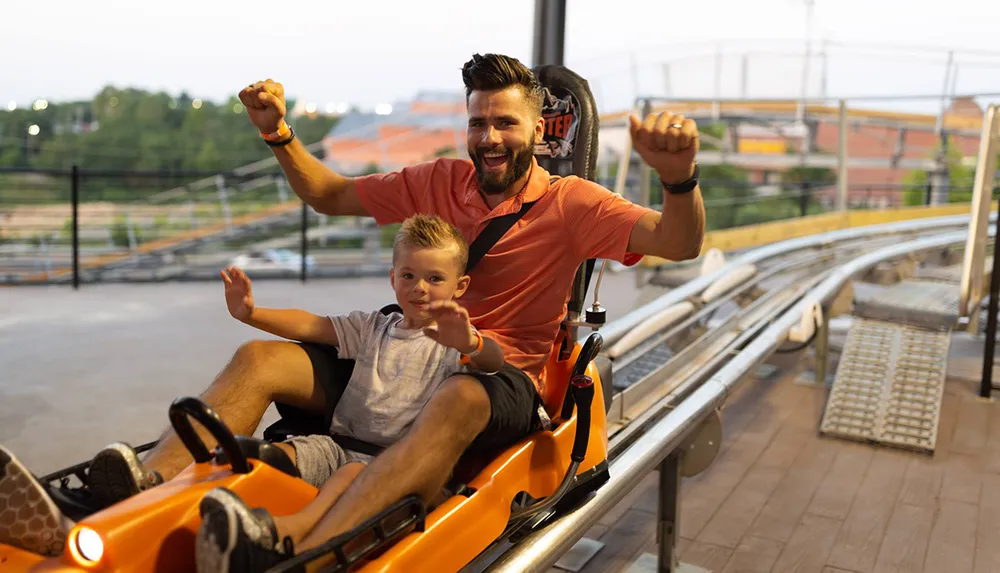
(260, 372)
(420, 463)
(234, 537)
(491, 411)
(29, 519)
(299, 525)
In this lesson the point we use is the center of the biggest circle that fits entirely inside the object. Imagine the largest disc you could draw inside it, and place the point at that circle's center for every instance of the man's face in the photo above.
(501, 136)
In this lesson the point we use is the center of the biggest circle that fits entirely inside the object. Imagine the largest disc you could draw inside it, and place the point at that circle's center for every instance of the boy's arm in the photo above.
(490, 358)
(454, 330)
(287, 323)
(294, 324)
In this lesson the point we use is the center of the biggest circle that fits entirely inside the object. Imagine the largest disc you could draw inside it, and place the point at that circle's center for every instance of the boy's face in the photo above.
(421, 275)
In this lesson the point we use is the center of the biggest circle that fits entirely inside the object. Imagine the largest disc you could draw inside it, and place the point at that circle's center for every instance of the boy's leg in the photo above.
(29, 519)
(259, 373)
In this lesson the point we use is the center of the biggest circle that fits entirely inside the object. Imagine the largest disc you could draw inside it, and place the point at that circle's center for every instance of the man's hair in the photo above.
(431, 231)
(497, 72)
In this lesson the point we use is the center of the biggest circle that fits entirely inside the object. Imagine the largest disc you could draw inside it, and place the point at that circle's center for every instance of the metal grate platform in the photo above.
(642, 366)
(889, 386)
(919, 303)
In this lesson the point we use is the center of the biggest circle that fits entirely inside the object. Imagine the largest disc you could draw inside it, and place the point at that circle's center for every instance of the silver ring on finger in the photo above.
(676, 125)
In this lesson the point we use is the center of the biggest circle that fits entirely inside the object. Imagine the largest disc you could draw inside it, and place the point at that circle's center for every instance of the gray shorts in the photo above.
(318, 457)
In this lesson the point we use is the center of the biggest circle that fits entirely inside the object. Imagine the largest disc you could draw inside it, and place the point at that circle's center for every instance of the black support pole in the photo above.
(550, 32)
(538, 38)
(991, 321)
(75, 200)
(305, 228)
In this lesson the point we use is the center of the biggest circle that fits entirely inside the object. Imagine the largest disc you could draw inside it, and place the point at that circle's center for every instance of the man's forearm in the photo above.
(317, 185)
(682, 224)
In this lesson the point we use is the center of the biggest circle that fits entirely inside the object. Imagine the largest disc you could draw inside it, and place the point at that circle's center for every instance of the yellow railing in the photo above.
(750, 236)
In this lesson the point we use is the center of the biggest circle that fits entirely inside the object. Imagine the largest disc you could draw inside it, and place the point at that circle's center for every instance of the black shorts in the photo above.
(514, 401)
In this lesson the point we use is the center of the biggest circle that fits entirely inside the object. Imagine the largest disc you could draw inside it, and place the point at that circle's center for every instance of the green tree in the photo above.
(960, 180)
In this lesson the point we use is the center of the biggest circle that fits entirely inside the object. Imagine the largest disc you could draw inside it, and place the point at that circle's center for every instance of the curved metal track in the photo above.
(661, 376)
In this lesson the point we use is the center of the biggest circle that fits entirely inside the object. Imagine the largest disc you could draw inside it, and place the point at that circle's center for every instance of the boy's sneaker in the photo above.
(232, 537)
(29, 519)
(116, 474)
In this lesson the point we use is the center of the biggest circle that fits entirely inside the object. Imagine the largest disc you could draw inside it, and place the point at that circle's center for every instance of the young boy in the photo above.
(401, 359)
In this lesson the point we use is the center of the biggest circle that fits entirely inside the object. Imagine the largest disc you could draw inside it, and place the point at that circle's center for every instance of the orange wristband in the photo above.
(479, 348)
(283, 131)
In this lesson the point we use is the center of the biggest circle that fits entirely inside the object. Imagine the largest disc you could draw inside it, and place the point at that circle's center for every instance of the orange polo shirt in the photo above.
(519, 290)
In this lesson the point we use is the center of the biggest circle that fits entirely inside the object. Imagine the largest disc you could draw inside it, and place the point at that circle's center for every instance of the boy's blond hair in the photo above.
(431, 231)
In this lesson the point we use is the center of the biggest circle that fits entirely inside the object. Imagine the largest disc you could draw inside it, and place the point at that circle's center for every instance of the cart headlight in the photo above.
(89, 545)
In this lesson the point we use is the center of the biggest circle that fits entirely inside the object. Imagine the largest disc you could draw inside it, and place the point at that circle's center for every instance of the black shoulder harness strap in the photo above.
(494, 230)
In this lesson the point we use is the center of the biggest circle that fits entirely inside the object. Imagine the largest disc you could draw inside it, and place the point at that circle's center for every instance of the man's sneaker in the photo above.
(116, 474)
(29, 519)
(232, 537)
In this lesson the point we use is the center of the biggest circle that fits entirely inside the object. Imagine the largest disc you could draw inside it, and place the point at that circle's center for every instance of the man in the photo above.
(518, 294)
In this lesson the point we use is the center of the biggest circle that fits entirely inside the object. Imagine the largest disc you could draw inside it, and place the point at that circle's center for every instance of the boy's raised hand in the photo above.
(239, 297)
(451, 326)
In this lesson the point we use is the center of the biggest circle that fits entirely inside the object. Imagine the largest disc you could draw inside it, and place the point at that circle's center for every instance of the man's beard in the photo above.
(518, 163)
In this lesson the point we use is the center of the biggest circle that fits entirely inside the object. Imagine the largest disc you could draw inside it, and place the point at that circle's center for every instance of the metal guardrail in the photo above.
(614, 330)
(658, 446)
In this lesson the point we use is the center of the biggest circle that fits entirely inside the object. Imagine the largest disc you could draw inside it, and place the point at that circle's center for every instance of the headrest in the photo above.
(571, 124)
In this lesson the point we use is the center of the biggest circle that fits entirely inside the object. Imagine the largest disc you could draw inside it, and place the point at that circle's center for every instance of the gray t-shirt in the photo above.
(396, 372)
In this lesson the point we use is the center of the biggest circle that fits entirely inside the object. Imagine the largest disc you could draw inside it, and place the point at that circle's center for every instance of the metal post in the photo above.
(555, 24)
(550, 32)
(668, 513)
(939, 127)
(986, 388)
(538, 38)
(305, 228)
(133, 242)
(822, 348)
(220, 183)
(842, 159)
(75, 199)
(808, 57)
(940, 180)
(282, 189)
(46, 256)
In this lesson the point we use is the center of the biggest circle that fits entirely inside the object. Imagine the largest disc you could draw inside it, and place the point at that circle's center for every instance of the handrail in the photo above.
(541, 549)
(614, 330)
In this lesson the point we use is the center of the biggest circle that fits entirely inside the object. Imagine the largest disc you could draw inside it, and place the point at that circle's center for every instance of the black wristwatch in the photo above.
(684, 186)
(283, 142)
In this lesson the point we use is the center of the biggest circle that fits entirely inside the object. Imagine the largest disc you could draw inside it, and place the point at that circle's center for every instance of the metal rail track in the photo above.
(657, 376)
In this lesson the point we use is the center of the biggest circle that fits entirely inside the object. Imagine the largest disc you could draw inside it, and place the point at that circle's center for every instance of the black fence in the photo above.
(83, 225)
(76, 226)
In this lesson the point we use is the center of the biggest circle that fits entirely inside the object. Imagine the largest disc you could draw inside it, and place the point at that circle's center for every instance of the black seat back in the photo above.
(570, 146)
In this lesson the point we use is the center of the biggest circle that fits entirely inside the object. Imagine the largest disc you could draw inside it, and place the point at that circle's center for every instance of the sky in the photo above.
(370, 52)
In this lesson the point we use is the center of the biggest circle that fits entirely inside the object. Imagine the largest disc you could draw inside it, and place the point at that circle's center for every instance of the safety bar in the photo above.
(657, 448)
